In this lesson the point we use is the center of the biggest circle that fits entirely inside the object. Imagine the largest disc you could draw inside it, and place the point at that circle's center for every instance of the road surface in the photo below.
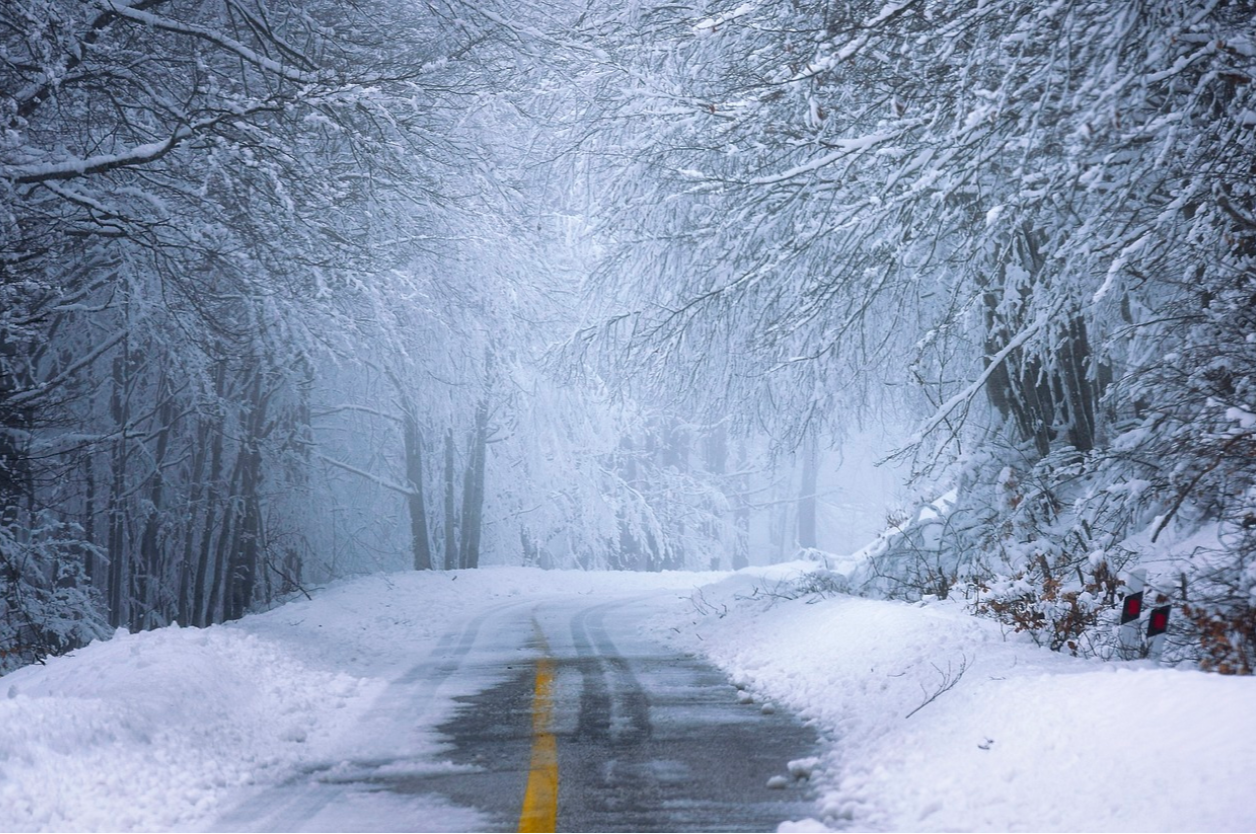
(553, 716)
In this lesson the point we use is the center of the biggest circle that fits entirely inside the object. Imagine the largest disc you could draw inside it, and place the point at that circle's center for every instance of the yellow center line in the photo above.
(540, 799)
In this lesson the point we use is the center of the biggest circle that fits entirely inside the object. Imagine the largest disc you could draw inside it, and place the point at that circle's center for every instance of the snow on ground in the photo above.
(167, 729)
(1025, 740)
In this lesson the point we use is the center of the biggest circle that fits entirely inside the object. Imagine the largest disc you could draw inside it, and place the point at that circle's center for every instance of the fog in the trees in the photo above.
(297, 290)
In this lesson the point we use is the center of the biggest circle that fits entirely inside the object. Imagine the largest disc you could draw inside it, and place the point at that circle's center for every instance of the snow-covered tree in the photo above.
(1009, 210)
(196, 199)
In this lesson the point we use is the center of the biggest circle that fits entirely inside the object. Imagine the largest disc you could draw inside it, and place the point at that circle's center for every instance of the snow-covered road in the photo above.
(416, 701)
(647, 739)
(374, 779)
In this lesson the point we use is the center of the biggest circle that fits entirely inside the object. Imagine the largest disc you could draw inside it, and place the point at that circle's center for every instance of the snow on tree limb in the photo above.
(994, 363)
(370, 476)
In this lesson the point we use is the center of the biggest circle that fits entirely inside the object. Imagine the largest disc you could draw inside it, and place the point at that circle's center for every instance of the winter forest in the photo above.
(293, 290)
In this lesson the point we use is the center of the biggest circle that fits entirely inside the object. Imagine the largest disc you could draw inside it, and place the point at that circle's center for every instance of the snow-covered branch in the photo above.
(407, 491)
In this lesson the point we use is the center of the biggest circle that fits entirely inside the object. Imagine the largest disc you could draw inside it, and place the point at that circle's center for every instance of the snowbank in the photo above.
(1024, 738)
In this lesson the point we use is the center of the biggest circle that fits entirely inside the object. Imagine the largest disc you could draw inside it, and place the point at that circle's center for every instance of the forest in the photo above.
(294, 290)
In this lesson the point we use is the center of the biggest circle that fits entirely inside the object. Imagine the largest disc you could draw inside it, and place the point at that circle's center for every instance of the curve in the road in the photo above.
(644, 739)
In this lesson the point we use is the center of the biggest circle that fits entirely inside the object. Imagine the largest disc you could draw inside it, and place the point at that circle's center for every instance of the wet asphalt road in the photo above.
(647, 739)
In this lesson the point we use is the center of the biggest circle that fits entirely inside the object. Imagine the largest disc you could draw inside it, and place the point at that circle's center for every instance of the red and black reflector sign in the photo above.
(1132, 608)
(1159, 621)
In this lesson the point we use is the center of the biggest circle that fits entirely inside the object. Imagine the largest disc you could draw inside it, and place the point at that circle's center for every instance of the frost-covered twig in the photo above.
(949, 680)
(703, 607)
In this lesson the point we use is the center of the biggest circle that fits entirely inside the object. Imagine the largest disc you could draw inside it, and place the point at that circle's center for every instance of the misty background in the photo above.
(293, 290)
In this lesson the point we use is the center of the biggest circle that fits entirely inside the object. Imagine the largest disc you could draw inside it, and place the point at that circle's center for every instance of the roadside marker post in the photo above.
(1129, 640)
(1157, 625)
(1130, 643)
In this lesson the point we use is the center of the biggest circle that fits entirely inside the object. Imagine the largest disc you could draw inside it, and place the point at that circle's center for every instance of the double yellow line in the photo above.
(540, 799)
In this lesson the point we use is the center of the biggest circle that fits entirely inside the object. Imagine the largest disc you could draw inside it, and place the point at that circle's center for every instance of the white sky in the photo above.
(184, 729)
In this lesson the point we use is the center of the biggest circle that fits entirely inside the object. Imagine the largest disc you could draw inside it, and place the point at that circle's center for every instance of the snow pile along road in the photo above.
(1023, 739)
(147, 731)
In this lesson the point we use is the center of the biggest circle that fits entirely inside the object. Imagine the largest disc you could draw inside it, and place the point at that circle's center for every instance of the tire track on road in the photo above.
(292, 804)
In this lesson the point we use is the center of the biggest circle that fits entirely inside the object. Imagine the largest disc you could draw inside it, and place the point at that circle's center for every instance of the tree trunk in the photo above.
(420, 544)
(242, 562)
(89, 516)
(116, 546)
(716, 448)
(188, 564)
(473, 490)
(741, 512)
(1080, 393)
(1043, 396)
(228, 543)
(807, 492)
(151, 573)
(16, 487)
(211, 433)
(451, 521)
